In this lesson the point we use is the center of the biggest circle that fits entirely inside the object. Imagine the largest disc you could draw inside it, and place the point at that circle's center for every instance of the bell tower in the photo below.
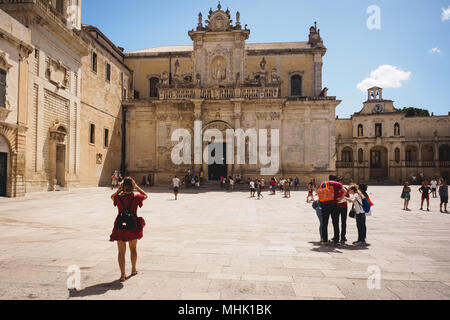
(219, 49)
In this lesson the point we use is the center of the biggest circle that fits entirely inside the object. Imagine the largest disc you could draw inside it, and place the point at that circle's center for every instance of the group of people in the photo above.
(116, 179)
(334, 200)
(432, 187)
(191, 179)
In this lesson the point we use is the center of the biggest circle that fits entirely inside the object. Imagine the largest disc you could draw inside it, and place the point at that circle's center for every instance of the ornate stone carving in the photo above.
(219, 68)
(57, 73)
(99, 158)
(161, 116)
(58, 132)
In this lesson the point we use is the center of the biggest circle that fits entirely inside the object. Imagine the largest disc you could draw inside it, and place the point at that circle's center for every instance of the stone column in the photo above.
(317, 86)
(237, 114)
(198, 145)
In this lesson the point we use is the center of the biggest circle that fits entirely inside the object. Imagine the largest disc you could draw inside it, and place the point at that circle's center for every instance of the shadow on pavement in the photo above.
(331, 247)
(96, 290)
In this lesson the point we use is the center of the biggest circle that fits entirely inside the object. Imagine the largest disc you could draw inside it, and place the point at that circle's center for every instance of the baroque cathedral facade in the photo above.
(74, 107)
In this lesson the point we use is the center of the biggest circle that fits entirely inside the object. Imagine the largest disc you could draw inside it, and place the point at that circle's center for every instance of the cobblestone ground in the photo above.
(220, 245)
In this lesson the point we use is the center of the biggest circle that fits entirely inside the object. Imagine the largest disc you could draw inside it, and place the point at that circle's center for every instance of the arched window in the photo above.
(396, 129)
(360, 155)
(360, 130)
(153, 90)
(397, 155)
(296, 86)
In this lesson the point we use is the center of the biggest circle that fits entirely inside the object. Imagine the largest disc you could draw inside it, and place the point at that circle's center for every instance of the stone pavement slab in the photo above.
(220, 245)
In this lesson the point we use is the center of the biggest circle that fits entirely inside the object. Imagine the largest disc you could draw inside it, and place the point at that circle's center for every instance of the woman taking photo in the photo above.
(356, 197)
(128, 226)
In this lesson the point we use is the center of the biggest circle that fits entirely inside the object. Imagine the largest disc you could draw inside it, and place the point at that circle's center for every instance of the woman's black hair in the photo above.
(127, 186)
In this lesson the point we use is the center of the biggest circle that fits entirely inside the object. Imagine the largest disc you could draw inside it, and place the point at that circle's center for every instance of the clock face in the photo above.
(378, 108)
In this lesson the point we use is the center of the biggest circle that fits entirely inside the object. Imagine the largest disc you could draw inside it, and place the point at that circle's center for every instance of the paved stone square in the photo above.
(220, 245)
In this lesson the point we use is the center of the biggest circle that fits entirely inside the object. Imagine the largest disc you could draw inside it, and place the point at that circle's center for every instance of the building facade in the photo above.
(380, 143)
(227, 83)
(106, 81)
(74, 107)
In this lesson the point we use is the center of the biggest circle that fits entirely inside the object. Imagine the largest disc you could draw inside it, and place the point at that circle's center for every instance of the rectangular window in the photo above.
(94, 62)
(106, 138)
(2, 88)
(124, 93)
(92, 134)
(108, 72)
(378, 130)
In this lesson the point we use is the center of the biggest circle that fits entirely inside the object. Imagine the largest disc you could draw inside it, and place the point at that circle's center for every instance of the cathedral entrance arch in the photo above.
(216, 170)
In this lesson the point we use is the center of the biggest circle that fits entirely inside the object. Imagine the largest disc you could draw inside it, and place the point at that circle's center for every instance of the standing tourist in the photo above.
(144, 181)
(252, 188)
(356, 197)
(433, 185)
(330, 193)
(296, 183)
(259, 188)
(425, 191)
(342, 214)
(176, 186)
(310, 187)
(114, 181)
(443, 193)
(149, 180)
(318, 207)
(406, 195)
(128, 227)
(231, 184)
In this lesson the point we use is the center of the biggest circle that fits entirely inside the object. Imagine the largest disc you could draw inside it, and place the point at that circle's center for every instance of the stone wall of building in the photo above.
(101, 106)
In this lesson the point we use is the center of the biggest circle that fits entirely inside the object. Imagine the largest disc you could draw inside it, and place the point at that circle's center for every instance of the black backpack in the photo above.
(126, 219)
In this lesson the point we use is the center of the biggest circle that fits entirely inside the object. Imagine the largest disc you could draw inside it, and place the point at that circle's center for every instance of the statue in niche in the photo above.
(274, 76)
(263, 64)
(238, 77)
(165, 78)
(219, 69)
(177, 67)
(198, 79)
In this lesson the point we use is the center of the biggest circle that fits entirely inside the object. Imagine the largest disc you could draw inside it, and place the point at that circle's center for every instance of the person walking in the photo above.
(176, 186)
(128, 227)
(259, 188)
(443, 194)
(356, 198)
(296, 183)
(425, 191)
(406, 195)
(310, 187)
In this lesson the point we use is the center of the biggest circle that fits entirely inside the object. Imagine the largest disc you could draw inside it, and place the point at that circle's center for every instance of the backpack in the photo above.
(366, 205)
(325, 192)
(126, 219)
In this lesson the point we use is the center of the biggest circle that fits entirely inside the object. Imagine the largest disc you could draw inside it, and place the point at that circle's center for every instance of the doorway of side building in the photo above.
(217, 170)
(3, 173)
(61, 165)
(378, 163)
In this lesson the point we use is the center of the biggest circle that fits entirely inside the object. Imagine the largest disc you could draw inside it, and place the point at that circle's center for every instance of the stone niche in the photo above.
(57, 73)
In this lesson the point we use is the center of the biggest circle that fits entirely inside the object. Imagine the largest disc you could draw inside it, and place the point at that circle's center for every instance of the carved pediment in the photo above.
(219, 20)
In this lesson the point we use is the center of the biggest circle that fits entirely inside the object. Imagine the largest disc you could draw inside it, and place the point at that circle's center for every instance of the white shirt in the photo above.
(176, 182)
(358, 203)
(433, 184)
(252, 185)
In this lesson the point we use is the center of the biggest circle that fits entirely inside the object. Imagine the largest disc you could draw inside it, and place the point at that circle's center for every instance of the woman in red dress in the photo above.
(125, 199)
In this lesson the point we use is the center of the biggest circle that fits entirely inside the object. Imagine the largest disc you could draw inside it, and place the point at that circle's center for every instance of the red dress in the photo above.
(133, 234)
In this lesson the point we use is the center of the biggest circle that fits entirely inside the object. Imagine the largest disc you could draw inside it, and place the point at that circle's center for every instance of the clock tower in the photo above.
(375, 103)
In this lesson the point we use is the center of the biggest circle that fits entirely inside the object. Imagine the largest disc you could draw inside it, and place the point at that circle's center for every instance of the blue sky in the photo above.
(409, 30)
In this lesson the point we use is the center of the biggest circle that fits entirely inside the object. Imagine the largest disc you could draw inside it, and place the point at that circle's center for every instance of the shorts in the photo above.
(426, 198)
(252, 189)
(175, 189)
(444, 200)
(433, 189)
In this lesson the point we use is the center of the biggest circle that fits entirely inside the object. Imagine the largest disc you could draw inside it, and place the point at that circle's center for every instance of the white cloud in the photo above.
(446, 13)
(384, 76)
(434, 50)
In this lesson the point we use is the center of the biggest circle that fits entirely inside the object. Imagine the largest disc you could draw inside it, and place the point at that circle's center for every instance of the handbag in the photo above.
(126, 219)
(352, 213)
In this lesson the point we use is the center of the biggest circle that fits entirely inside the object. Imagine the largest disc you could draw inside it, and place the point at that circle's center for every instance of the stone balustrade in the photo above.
(219, 93)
